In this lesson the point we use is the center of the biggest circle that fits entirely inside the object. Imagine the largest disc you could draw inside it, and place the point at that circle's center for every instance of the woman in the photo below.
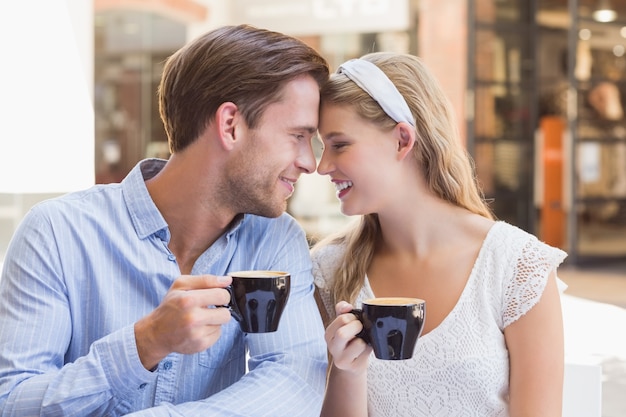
(492, 343)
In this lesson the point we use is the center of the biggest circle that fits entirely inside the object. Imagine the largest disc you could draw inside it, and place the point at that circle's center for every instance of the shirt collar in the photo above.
(145, 215)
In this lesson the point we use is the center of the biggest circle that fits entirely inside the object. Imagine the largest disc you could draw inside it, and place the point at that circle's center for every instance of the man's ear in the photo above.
(405, 137)
(227, 120)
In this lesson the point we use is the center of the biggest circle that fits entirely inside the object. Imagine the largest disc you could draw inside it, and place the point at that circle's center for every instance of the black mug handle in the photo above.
(362, 334)
(232, 305)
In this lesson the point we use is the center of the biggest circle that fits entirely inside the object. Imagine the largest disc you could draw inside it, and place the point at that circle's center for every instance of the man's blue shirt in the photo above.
(83, 268)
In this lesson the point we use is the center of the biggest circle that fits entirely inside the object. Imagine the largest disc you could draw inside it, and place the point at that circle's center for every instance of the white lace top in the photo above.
(461, 367)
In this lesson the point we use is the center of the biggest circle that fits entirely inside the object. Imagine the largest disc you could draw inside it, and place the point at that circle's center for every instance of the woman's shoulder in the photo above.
(326, 258)
(520, 244)
(517, 266)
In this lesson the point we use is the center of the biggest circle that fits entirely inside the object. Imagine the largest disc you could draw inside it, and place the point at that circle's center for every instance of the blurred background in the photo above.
(539, 88)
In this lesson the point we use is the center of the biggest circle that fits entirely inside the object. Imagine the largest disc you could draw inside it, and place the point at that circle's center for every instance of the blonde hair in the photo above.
(445, 163)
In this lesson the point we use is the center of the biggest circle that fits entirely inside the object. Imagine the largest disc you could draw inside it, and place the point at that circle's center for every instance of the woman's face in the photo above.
(360, 158)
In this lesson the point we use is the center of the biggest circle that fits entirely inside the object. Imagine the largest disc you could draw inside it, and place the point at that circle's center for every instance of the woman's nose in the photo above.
(324, 166)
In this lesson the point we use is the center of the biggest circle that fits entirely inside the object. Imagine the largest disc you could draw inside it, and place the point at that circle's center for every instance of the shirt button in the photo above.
(167, 365)
(171, 257)
(142, 386)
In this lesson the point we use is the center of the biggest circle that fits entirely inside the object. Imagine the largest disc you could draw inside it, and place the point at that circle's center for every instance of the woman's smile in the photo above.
(342, 187)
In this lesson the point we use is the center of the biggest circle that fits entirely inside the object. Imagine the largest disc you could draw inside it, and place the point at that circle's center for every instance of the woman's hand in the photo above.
(350, 353)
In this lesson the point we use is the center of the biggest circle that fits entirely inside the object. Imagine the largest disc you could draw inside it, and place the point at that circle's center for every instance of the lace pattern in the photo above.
(461, 367)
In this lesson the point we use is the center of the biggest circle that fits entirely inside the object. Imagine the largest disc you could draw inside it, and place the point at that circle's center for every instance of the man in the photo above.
(107, 294)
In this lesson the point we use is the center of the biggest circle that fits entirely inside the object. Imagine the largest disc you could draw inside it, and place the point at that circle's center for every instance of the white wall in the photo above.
(46, 112)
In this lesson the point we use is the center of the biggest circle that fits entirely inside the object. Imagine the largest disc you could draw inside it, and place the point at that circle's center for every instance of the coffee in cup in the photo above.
(258, 298)
(392, 325)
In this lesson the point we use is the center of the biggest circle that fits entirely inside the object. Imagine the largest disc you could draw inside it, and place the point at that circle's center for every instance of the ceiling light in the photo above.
(604, 12)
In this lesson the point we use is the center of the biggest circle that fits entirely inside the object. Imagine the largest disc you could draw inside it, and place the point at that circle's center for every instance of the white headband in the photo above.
(375, 82)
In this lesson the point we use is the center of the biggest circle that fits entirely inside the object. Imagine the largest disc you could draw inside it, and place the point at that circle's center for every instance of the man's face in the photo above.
(262, 176)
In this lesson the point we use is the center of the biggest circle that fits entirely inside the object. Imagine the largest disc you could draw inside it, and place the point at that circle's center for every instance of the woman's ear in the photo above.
(405, 138)
(227, 118)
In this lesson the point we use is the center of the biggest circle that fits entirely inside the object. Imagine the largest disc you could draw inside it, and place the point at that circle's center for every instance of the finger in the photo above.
(338, 337)
(211, 297)
(339, 322)
(197, 282)
(345, 334)
(201, 319)
(357, 348)
(354, 356)
(362, 356)
(216, 316)
(343, 307)
(190, 300)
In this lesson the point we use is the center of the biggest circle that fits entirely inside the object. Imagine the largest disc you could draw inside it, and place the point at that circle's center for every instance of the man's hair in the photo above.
(241, 64)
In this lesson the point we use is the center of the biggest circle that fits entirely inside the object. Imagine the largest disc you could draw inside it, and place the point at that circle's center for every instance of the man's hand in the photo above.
(186, 321)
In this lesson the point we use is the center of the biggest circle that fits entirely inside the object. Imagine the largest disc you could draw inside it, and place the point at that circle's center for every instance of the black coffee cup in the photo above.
(258, 298)
(392, 325)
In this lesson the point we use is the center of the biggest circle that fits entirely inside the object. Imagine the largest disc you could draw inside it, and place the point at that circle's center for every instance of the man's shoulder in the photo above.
(90, 200)
(74, 217)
